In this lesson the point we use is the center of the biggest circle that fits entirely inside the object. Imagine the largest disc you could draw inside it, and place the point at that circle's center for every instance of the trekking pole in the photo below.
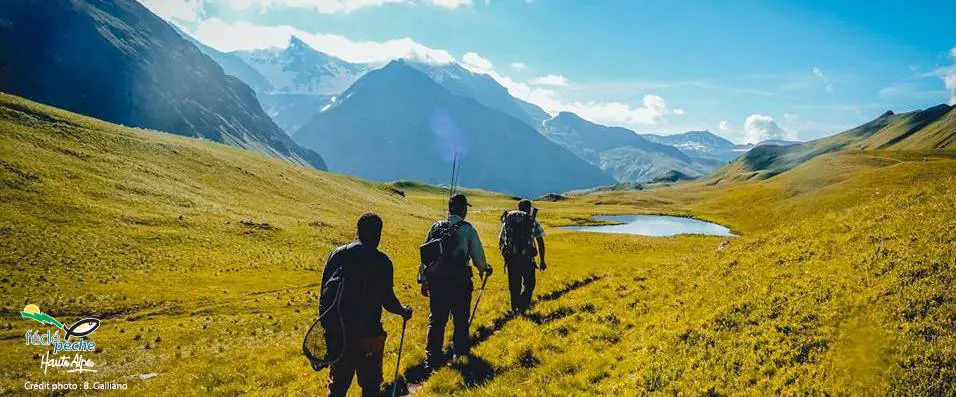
(401, 342)
(484, 280)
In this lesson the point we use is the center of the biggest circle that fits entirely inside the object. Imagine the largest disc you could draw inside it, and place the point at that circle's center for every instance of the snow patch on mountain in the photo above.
(300, 69)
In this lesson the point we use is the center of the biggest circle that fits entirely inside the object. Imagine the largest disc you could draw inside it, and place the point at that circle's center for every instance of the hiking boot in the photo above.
(460, 358)
(433, 362)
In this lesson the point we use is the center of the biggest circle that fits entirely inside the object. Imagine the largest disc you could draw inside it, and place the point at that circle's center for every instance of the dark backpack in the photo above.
(438, 253)
(516, 234)
(324, 342)
(339, 298)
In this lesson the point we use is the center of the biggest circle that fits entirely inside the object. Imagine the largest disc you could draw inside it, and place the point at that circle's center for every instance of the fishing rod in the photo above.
(451, 185)
(457, 174)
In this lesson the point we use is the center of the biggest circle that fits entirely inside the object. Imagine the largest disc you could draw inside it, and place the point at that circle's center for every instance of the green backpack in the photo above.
(516, 234)
(438, 253)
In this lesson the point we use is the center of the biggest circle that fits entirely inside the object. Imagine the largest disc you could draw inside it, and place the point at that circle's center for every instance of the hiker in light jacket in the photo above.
(449, 286)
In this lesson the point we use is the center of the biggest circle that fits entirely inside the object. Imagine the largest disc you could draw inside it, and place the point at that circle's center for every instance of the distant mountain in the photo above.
(116, 61)
(701, 144)
(292, 83)
(929, 129)
(536, 115)
(672, 177)
(411, 126)
(301, 80)
(774, 142)
(628, 156)
(291, 111)
(300, 69)
(231, 64)
(482, 88)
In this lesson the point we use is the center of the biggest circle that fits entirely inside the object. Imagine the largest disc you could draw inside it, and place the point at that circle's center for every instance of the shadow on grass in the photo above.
(474, 370)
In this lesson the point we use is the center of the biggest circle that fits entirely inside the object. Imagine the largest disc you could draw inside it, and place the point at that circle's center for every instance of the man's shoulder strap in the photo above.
(445, 223)
(515, 214)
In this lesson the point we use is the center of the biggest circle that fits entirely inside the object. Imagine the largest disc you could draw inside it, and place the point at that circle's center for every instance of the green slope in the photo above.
(929, 129)
(202, 261)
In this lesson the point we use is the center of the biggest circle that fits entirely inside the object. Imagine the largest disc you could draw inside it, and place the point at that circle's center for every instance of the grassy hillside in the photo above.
(929, 129)
(203, 260)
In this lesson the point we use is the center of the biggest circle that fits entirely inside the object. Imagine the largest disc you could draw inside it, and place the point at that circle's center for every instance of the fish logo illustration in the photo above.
(82, 327)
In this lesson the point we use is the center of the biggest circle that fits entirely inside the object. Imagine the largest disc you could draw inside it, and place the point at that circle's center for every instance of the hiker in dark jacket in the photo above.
(449, 288)
(519, 255)
(368, 288)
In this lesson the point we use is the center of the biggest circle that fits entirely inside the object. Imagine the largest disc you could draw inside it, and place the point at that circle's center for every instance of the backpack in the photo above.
(516, 234)
(325, 341)
(438, 253)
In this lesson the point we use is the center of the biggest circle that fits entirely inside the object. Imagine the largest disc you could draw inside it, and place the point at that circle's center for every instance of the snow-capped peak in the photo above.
(300, 69)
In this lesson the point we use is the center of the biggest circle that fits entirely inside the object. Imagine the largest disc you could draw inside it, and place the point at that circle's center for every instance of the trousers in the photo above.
(363, 357)
(520, 281)
(447, 298)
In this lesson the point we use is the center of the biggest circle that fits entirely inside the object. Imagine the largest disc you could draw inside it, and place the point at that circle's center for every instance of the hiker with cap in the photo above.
(446, 278)
(366, 289)
(516, 241)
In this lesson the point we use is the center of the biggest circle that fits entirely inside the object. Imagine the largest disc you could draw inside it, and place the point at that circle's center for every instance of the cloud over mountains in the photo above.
(949, 77)
(759, 128)
(189, 9)
(548, 91)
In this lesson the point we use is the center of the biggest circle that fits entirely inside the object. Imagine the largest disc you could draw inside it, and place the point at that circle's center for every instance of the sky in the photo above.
(746, 70)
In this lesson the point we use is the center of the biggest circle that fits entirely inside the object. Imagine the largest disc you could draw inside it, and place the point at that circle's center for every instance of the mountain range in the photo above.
(700, 144)
(300, 69)
(484, 89)
(929, 129)
(296, 82)
(291, 83)
(398, 123)
(116, 61)
(623, 153)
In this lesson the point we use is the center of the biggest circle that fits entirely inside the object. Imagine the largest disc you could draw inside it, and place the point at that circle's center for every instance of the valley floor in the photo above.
(203, 262)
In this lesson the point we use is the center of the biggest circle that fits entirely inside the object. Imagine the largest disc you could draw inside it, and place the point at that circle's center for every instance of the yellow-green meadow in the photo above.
(203, 262)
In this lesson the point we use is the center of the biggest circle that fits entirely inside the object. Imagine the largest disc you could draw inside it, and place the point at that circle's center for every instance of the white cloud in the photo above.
(518, 65)
(183, 10)
(551, 79)
(230, 36)
(476, 63)
(724, 126)
(759, 128)
(242, 35)
(790, 117)
(452, 4)
(949, 77)
(652, 111)
(827, 85)
(949, 80)
(191, 10)
(322, 6)
(679, 112)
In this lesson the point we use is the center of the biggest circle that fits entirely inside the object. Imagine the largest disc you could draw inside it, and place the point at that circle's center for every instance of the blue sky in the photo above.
(746, 70)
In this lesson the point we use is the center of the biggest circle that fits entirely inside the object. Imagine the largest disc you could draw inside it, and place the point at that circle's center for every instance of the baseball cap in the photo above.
(458, 200)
